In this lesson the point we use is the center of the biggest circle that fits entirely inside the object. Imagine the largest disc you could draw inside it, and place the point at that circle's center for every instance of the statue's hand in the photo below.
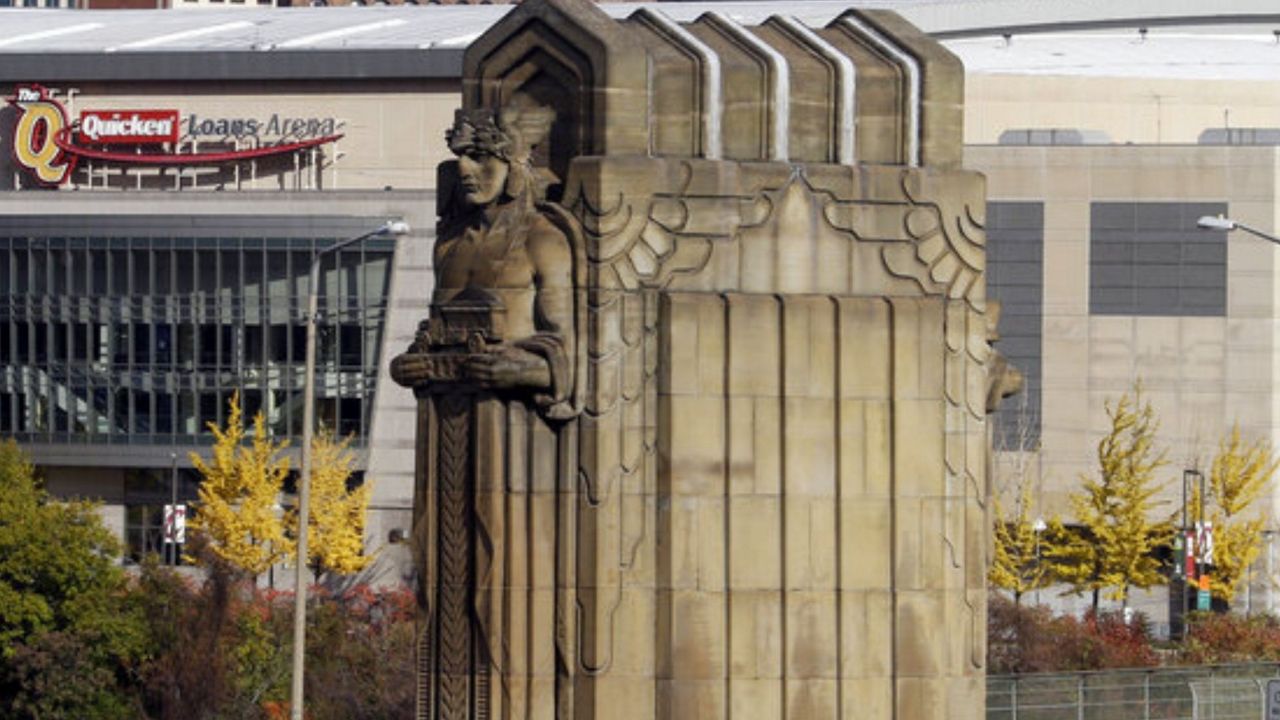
(411, 368)
(506, 367)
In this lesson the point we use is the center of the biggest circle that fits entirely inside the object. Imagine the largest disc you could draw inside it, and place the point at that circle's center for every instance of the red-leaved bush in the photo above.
(1214, 638)
(1032, 639)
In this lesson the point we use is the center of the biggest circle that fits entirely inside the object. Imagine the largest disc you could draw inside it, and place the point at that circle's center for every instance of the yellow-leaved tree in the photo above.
(1016, 555)
(336, 519)
(236, 514)
(1114, 543)
(1240, 473)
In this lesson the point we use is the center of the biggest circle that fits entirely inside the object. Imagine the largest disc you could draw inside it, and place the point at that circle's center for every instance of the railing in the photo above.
(1209, 692)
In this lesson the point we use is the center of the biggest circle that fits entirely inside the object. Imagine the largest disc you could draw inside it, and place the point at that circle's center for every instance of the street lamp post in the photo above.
(173, 509)
(1226, 224)
(1038, 527)
(1190, 569)
(1269, 536)
(389, 228)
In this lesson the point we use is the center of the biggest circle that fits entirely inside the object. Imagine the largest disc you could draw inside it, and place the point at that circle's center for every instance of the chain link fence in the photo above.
(1212, 692)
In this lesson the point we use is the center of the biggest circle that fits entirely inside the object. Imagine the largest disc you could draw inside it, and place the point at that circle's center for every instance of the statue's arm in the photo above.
(553, 277)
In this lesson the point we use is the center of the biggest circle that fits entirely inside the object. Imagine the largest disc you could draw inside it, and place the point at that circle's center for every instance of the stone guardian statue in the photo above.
(494, 366)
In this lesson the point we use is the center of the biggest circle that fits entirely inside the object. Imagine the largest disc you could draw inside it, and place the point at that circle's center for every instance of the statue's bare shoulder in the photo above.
(550, 253)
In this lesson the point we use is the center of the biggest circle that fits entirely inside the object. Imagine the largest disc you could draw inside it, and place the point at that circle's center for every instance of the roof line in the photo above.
(398, 63)
(1059, 26)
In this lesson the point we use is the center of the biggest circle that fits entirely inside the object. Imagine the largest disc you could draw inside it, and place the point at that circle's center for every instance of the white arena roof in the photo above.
(1234, 39)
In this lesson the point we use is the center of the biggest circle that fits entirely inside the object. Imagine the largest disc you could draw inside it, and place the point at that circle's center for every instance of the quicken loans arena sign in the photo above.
(48, 145)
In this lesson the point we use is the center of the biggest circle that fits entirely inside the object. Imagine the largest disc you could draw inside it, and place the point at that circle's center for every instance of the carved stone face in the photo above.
(482, 176)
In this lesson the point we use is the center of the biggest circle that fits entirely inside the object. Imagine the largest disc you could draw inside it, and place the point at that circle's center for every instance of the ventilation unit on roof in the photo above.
(1240, 136)
(1053, 136)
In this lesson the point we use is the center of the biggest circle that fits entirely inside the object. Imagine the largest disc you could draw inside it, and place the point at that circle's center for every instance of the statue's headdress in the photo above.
(510, 133)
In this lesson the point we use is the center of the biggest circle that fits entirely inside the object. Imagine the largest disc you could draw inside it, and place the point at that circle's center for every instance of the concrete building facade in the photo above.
(1104, 278)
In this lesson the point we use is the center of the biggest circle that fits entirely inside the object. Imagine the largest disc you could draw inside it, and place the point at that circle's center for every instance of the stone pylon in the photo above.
(703, 389)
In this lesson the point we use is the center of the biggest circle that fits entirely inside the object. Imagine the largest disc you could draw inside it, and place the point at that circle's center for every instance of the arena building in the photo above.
(137, 297)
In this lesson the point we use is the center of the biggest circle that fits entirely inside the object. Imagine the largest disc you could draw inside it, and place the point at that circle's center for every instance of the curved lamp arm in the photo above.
(1225, 224)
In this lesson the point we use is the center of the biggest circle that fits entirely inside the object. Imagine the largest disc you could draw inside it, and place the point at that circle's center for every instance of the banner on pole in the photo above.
(175, 524)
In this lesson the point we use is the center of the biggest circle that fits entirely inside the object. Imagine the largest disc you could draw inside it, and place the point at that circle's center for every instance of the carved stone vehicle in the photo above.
(703, 386)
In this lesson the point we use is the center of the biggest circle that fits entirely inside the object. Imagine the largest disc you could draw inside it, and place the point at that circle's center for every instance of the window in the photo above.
(143, 531)
(141, 344)
(167, 328)
(1151, 259)
(42, 343)
(164, 344)
(1015, 278)
(164, 413)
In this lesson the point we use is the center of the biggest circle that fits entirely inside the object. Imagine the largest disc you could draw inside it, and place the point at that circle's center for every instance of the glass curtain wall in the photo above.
(142, 340)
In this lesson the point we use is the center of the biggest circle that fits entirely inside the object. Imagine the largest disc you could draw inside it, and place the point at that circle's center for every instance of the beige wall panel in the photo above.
(864, 449)
(1247, 369)
(866, 533)
(1111, 352)
(959, 691)
(866, 698)
(692, 610)
(810, 650)
(1252, 177)
(681, 373)
(1065, 346)
(834, 527)
(756, 634)
(1022, 182)
(697, 445)
(1130, 110)
(1065, 219)
(755, 547)
(866, 648)
(1249, 294)
(864, 328)
(810, 537)
(697, 637)
(1069, 181)
(918, 465)
(918, 618)
(1156, 349)
(1202, 353)
(691, 698)
(812, 698)
(754, 337)
(765, 471)
(1069, 404)
(755, 699)
(632, 697)
(636, 620)
(1066, 278)
(922, 698)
